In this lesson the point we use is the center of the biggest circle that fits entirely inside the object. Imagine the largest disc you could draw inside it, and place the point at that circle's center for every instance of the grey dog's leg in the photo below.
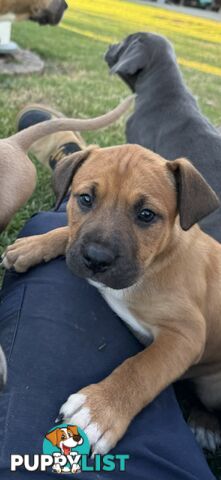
(166, 118)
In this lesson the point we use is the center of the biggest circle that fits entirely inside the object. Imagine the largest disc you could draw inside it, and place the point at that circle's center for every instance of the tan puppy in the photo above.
(42, 11)
(132, 232)
(17, 172)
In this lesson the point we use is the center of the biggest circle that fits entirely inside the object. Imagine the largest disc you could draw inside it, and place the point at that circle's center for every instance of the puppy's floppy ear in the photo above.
(52, 437)
(195, 198)
(126, 59)
(65, 171)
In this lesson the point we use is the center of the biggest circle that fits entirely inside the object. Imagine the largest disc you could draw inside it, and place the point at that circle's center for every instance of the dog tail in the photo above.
(27, 137)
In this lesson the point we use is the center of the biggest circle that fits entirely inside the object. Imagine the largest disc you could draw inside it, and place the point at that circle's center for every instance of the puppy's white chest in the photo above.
(115, 301)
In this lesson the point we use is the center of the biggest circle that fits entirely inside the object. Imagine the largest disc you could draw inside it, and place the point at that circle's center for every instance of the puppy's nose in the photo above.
(98, 257)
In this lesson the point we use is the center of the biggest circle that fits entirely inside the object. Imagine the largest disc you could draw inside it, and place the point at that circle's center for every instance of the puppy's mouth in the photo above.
(119, 275)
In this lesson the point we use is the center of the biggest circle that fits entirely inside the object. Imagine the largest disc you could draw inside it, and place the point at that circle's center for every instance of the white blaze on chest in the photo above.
(115, 299)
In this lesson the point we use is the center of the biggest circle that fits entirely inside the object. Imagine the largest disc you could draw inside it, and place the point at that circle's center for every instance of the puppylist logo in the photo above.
(66, 449)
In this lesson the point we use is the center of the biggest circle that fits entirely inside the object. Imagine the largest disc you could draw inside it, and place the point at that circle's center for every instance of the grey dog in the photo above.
(167, 118)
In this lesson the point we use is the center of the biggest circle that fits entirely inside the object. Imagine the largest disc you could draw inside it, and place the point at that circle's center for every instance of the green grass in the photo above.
(76, 79)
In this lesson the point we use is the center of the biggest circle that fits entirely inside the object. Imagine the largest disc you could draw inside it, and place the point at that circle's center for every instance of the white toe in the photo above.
(74, 402)
(81, 418)
(102, 446)
(207, 439)
(93, 433)
(5, 263)
(211, 441)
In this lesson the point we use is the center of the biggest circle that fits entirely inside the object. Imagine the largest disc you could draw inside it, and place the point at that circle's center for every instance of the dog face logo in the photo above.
(66, 449)
(66, 443)
(65, 438)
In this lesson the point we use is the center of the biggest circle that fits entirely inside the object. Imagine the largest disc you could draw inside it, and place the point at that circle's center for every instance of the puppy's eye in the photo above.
(85, 200)
(146, 216)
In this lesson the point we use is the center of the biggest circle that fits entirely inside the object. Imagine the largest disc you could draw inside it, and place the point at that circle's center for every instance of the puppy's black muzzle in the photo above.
(52, 15)
(111, 263)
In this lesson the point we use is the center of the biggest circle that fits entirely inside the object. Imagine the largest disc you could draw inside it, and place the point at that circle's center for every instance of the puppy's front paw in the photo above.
(23, 254)
(206, 429)
(98, 410)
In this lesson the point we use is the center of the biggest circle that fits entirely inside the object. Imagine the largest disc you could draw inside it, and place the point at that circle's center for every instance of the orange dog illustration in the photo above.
(65, 438)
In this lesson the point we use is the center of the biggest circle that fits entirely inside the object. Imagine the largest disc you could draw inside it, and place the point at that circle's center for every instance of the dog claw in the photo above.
(60, 418)
(2, 260)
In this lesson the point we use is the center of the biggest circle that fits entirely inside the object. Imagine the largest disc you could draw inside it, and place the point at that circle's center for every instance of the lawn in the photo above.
(76, 79)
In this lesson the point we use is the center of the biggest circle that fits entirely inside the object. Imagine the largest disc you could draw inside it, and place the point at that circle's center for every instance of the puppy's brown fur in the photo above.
(167, 275)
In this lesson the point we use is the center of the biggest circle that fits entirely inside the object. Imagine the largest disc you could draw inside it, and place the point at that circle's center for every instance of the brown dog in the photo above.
(132, 232)
(17, 172)
(41, 11)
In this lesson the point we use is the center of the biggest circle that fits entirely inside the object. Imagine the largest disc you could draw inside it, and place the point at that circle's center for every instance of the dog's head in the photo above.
(65, 438)
(136, 54)
(123, 209)
(50, 13)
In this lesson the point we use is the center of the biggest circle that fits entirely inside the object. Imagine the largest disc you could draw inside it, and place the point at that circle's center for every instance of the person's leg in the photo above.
(59, 335)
